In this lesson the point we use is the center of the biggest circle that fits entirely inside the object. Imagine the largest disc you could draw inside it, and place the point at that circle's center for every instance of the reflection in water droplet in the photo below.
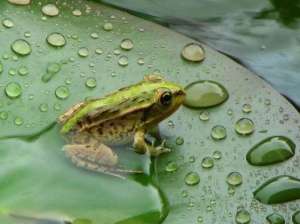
(83, 52)
(76, 12)
(3, 115)
(271, 150)
(21, 47)
(91, 83)
(23, 70)
(207, 162)
(43, 107)
(218, 132)
(278, 190)
(50, 10)
(56, 40)
(275, 218)
(204, 116)
(13, 90)
(126, 44)
(193, 52)
(171, 167)
(123, 61)
(206, 93)
(179, 140)
(19, 121)
(244, 126)
(296, 217)
(217, 155)
(8, 23)
(108, 26)
(62, 92)
(247, 108)
(234, 179)
(192, 178)
(242, 217)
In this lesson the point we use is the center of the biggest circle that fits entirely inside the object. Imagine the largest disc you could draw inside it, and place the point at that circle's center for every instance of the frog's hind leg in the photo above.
(99, 158)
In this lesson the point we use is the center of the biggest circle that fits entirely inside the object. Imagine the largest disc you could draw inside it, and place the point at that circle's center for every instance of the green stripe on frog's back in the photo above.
(140, 95)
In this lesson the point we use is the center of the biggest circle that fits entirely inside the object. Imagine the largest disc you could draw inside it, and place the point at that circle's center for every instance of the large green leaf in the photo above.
(38, 181)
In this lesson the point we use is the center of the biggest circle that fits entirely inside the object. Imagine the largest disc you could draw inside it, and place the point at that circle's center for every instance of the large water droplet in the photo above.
(171, 167)
(83, 52)
(218, 132)
(278, 190)
(56, 40)
(242, 217)
(76, 12)
(193, 52)
(202, 94)
(271, 150)
(108, 26)
(13, 90)
(192, 178)
(62, 92)
(126, 44)
(18, 121)
(234, 179)
(91, 83)
(21, 47)
(275, 218)
(8, 23)
(207, 162)
(296, 217)
(123, 61)
(19, 2)
(204, 116)
(50, 10)
(244, 126)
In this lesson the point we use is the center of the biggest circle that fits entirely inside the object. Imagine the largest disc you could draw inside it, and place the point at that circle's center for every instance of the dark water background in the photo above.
(264, 35)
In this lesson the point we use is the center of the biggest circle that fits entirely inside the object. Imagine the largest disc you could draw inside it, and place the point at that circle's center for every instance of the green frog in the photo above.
(93, 127)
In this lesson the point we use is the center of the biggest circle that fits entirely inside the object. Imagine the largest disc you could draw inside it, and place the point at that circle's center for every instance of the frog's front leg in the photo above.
(96, 157)
(141, 146)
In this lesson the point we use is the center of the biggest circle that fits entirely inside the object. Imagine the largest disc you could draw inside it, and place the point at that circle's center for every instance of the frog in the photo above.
(93, 127)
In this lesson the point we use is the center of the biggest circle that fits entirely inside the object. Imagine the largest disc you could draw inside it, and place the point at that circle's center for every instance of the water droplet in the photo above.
(179, 140)
(62, 92)
(57, 107)
(12, 71)
(43, 107)
(19, 2)
(108, 26)
(171, 167)
(99, 51)
(123, 61)
(234, 179)
(276, 218)
(278, 190)
(141, 61)
(126, 44)
(204, 116)
(247, 108)
(3, 115)
(217, 155)
(199, 219)
(192, 159)
(27, 34)
(94, 35)
(192, 178)
(207, 162)
(50, 10)
(13, 90)
(8, 23)
(76, 12)
(193, 52)
(23, 70)
(19, 121)
(21, 47)
(56, 40)
(271, 150)
(244, 126)
(52, 69)
(296, 217)
(117, 52)
(242, 217)
(91, 83)
(83, 52)
(218, 132)
(203, 94)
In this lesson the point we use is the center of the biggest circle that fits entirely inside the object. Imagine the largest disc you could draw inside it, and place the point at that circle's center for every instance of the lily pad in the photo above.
(37, 180)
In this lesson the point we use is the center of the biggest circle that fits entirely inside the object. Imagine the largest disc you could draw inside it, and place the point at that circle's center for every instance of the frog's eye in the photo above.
(166, 98)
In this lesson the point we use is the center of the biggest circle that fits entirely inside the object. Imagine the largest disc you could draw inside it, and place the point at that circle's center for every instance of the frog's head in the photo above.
(167, 98)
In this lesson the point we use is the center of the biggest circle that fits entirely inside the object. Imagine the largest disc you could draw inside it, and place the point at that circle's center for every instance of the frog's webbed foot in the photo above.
(141, 146)
(99, 158)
